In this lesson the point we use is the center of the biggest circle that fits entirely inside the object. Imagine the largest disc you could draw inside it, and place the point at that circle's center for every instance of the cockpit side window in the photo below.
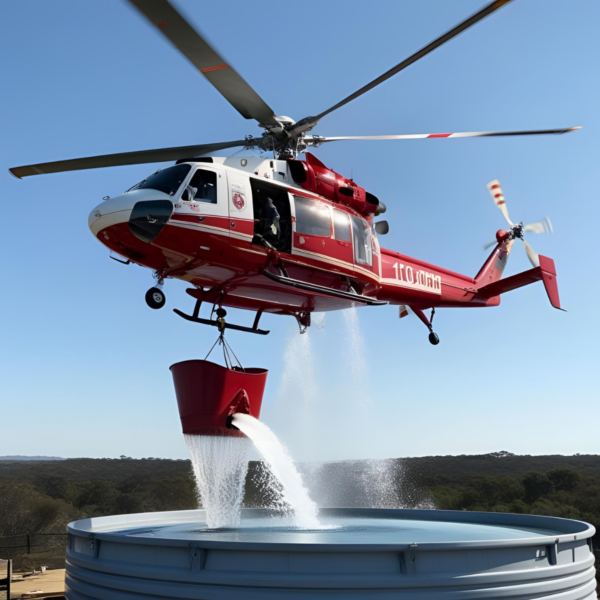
(166, 180)
(202, 187)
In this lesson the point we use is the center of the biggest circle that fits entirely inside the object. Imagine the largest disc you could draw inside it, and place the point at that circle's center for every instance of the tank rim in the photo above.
(106, 528)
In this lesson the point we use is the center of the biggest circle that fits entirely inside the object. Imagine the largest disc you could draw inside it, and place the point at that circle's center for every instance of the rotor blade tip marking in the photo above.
(161, 24)
(439, 135)
(216, 68)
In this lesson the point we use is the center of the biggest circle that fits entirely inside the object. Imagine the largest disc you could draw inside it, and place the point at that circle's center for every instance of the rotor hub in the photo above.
(517, 231)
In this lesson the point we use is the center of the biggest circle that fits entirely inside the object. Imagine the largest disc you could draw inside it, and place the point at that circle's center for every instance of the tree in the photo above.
(536, 485)
(23, 509)
(564, 479)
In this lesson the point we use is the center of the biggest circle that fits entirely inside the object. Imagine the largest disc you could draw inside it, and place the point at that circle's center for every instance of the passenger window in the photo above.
(202, 187)
(341, 225)
(312, 217)
(363, 251)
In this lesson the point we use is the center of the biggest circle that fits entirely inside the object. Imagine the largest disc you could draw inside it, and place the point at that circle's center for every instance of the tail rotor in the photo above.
(518, 230)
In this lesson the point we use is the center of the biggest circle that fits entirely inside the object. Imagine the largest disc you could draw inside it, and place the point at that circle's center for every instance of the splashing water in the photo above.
(382, 480)
(283, 468)
(298, 369)
(220, 465)
(356, 354)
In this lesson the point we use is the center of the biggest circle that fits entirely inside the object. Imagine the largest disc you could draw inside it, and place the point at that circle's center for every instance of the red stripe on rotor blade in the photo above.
(500, 202)
(161, 24)
(439, 135)
(208, 69)
(495, 187)
(498, 195)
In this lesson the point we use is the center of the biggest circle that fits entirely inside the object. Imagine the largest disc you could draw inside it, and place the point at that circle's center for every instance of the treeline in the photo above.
(560, 486)
(42, 497)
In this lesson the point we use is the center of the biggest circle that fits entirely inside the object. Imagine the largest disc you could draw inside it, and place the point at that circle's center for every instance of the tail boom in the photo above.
(546, 272)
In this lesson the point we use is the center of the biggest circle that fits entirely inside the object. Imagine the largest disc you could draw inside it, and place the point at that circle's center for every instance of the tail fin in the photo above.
(494, 266)
(546, 272)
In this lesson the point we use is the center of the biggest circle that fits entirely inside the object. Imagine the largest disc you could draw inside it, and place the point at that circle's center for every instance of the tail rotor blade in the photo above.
(543, 226)
(490, 245)
(498, 196)
(531, 254)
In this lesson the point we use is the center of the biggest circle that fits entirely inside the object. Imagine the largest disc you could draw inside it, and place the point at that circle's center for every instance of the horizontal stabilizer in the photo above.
(545, 272)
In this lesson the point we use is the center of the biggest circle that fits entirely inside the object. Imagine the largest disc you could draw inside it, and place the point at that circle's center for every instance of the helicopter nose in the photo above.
(111, 212)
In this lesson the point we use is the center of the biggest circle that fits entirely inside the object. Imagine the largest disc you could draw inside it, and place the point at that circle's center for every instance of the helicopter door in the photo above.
(205, 194)
(272, 216)
(241, 222)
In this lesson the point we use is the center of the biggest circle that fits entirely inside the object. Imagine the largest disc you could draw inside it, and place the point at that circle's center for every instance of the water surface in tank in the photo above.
(340, 530)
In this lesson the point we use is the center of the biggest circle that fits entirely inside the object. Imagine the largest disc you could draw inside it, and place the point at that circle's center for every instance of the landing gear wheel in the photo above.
(434, 339)
(155, 298)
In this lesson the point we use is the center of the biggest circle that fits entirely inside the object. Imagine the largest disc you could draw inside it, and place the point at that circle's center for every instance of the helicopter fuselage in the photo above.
(216, 242)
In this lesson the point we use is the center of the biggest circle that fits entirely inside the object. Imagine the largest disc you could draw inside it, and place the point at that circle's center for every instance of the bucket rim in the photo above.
(257, 371)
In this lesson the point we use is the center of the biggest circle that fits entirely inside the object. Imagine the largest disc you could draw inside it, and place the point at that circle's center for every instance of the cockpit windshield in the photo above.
(166, 180)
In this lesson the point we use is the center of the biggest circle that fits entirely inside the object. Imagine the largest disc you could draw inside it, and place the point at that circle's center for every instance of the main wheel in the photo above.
(155, 298)
(434, 339)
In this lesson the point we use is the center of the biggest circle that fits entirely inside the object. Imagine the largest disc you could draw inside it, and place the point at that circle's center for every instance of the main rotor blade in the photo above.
(484, 12)
(207, 60)
(421, 136)
(123, 158)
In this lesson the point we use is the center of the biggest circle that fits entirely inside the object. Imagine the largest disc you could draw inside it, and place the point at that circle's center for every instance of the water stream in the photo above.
(220, 465)
(283, 468)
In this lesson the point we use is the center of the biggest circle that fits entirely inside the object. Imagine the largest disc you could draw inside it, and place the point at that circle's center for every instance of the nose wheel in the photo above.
(155, 298)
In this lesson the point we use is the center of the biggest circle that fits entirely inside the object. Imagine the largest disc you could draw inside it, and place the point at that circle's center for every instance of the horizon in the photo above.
(498, 454)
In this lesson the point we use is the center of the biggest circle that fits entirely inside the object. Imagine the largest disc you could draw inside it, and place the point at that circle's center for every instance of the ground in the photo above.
(50, 582)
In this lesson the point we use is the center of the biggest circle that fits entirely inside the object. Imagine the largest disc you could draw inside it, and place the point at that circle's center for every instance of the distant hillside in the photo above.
(36, 458)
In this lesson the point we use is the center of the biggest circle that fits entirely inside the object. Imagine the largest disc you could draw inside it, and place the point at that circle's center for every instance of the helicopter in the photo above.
(282, 235)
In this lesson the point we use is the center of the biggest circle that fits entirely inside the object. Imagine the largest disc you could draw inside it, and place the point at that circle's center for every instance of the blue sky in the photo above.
(83, 361)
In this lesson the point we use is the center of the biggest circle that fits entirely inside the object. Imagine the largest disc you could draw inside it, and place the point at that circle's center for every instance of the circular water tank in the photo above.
(356, 554)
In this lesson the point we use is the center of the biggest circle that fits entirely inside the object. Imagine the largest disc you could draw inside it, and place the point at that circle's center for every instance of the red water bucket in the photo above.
(207, 394)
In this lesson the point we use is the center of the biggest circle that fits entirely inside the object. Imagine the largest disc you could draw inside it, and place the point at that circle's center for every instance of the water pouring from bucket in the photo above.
(219, 407)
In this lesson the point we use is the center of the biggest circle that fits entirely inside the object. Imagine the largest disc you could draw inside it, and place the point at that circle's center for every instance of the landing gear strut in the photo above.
(433, 337)
(155, 297)
(303, 321)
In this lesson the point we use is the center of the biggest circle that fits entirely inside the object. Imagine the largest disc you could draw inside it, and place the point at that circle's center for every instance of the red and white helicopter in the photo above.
(281, 235)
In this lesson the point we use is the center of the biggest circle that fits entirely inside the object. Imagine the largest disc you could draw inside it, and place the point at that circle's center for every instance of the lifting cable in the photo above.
(227, 352)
